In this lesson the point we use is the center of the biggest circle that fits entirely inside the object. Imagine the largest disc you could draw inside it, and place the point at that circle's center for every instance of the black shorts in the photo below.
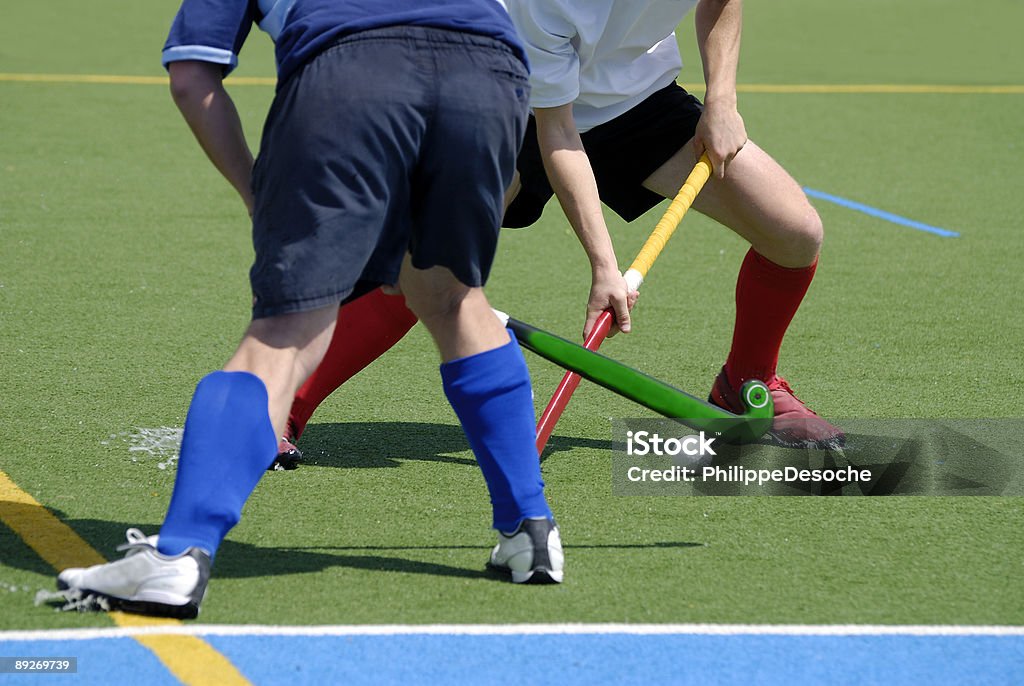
(390, 141)
(623, 153)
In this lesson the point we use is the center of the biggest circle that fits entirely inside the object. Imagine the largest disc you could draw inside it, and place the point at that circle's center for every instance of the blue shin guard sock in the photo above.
(228, 444)
(490, 393)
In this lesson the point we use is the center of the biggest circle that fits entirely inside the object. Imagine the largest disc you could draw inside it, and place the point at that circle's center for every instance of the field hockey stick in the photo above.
(634, 277)
(650, 392)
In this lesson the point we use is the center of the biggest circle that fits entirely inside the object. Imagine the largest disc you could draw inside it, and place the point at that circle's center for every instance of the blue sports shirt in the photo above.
(214, 30)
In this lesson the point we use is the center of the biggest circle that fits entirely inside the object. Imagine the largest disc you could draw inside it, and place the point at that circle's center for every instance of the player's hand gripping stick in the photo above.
(634, 276)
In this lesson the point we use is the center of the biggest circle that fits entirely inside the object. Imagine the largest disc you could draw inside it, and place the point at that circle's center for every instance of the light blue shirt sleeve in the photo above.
(209, 31)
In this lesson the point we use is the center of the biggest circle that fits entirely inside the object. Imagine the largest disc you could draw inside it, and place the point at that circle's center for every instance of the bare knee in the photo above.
(433, 294)
(794, 241)
(437, 304)
(298, 331)
(458, 318)
(809, 235)
(294, 342)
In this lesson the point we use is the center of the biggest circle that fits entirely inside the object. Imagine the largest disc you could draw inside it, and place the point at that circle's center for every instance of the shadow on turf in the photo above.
(242, 560)
(368, 445)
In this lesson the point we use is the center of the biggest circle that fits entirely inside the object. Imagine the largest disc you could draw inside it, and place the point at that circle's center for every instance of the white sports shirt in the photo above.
(604, 56)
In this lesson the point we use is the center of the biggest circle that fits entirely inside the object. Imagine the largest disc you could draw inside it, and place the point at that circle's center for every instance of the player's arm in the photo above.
(720, 131)
(572, 178)
(198, 91)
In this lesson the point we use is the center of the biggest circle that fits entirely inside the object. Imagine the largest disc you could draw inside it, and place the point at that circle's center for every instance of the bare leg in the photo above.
(757, 199)
(457, 316)
(282, 351)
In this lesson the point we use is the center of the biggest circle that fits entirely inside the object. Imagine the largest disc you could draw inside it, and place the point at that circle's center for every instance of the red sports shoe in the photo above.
(795, 425)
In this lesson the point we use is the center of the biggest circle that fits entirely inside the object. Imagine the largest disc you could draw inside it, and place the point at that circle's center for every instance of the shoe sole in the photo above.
(285, 462)
(142, 607)
(834, 443)
(772, 438)
(539, 576)
(190, 610)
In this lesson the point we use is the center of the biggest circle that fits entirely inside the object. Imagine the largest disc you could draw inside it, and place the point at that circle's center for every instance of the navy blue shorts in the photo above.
(390, 141)
(623, 153)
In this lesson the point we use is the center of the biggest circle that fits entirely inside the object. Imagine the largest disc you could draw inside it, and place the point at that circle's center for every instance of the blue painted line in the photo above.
(564, 659)
(588, 659)
(881, 214)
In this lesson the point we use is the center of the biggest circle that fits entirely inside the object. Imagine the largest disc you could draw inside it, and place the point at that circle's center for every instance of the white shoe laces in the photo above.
(136, 542)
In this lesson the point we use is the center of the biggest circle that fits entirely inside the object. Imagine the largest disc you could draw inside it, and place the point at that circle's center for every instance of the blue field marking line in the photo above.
(566, 654)
(881, 214)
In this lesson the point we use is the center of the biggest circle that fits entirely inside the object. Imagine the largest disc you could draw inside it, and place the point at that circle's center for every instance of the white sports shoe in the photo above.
(533, 553)
(144, 581)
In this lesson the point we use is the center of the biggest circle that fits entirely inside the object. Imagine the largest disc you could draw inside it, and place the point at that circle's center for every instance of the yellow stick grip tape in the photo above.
(673, 215)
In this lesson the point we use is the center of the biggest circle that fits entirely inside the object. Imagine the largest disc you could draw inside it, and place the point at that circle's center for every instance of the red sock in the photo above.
(767, 297)
(367, 328)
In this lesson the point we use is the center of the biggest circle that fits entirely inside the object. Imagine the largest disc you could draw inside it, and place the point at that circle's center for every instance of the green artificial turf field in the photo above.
(123, 280)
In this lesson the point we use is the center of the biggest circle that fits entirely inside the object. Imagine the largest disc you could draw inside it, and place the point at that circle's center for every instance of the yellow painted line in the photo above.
(84, 78)
(794, 88)
(191, 659)
(123, 80)
(899, 89)
(869, 88)
(52, 539)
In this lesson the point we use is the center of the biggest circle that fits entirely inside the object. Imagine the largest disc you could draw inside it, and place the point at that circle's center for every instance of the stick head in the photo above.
(756, 398)
(758, 412)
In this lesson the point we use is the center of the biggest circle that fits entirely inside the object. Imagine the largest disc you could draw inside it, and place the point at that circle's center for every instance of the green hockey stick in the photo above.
(656, 395)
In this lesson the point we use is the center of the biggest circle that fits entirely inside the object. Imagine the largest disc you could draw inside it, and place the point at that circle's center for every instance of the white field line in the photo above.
(515, 630)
